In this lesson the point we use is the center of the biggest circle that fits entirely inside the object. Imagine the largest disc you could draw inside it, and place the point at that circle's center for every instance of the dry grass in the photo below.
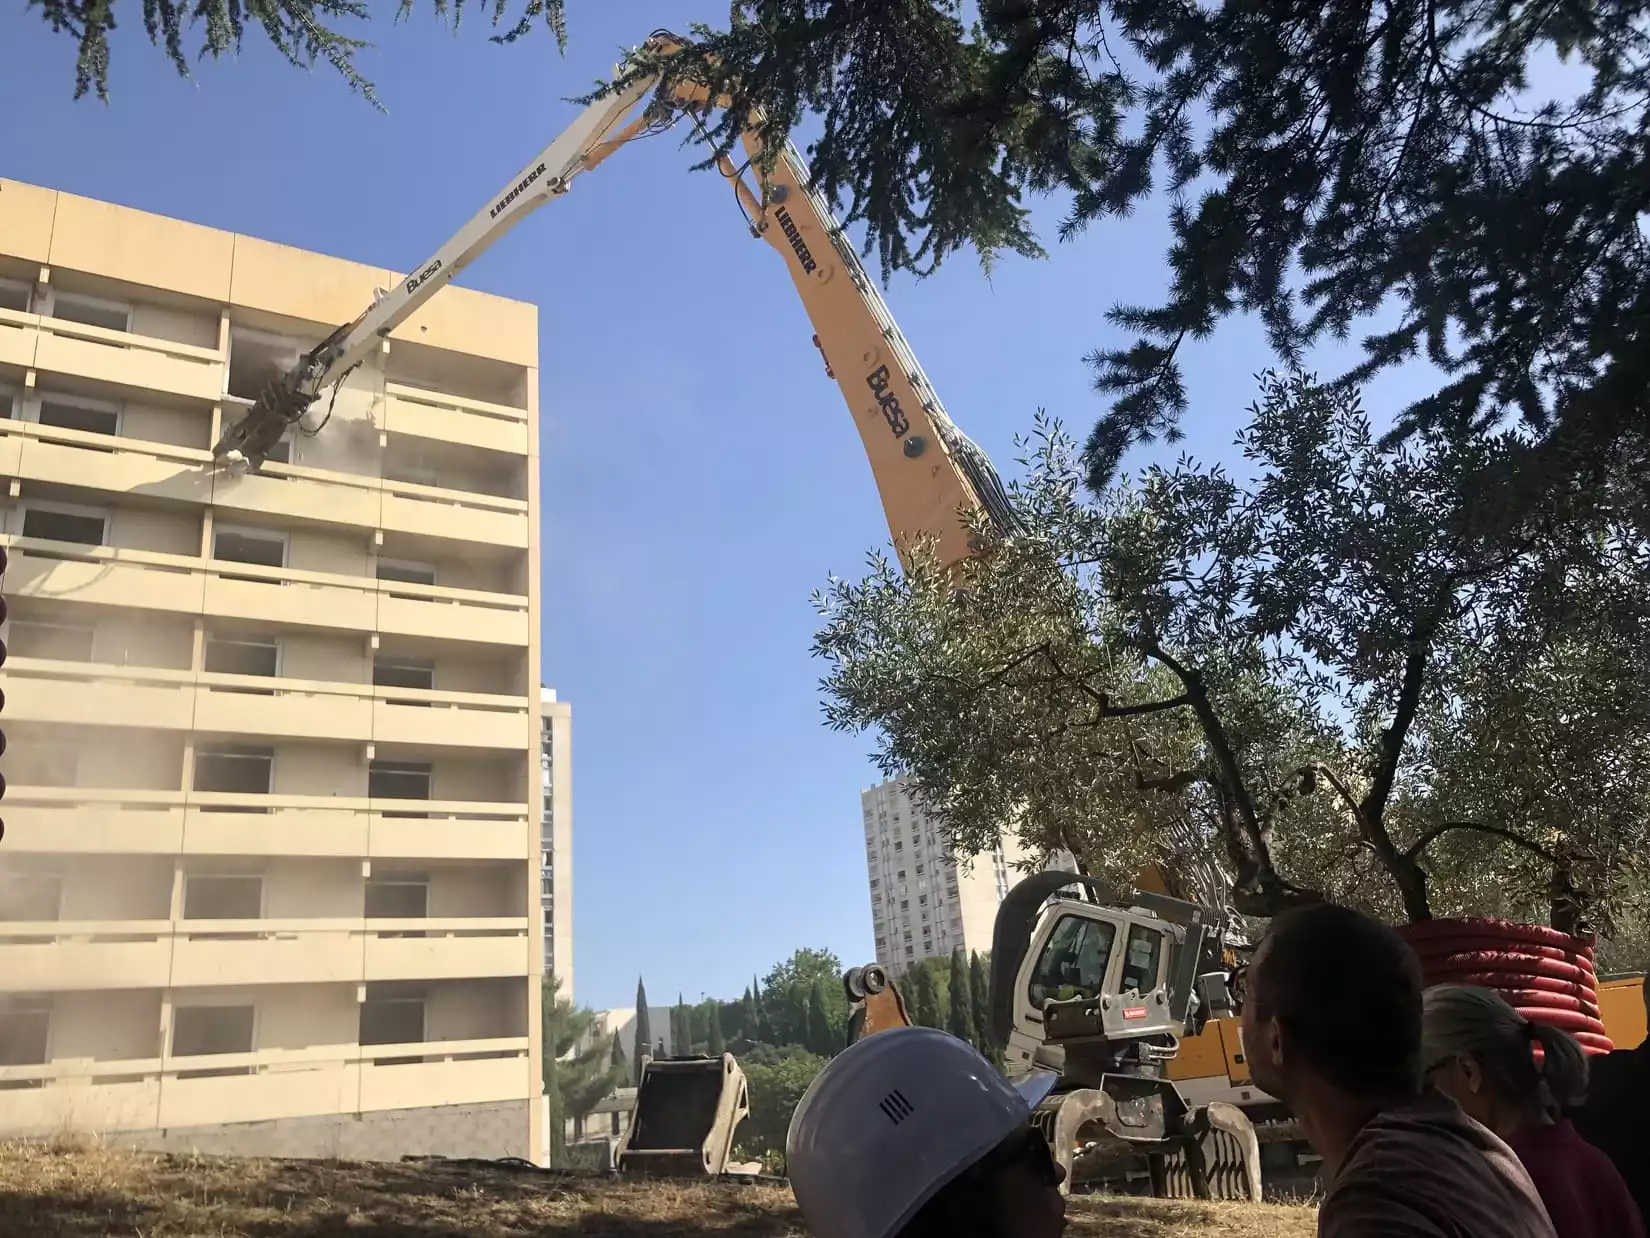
(89, 1192)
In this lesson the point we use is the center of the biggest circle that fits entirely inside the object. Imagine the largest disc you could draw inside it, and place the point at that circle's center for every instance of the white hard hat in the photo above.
(891, 1120)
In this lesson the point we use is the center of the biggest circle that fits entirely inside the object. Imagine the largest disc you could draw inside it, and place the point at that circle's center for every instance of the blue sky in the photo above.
(701, 474)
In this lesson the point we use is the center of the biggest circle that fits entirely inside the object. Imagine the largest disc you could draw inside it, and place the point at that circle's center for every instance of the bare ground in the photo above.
(58, 1192)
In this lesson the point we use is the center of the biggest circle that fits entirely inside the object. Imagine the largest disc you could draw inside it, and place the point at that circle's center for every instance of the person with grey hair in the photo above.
(1482, 1053)
(1613, 1119)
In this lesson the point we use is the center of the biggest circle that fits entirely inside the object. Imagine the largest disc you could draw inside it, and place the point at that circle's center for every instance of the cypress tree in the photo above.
(925, 998)
(715, 1045)
(960, 1017)
(644, 1027)
(980, 990)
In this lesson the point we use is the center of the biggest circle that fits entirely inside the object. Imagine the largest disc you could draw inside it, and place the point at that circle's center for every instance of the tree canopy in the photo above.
(303, 31)
(1327, 680)
(1465, 184)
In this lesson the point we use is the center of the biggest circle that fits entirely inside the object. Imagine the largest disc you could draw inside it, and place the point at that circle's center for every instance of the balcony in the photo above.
(116, 357)
(417, 413)
(133, 954)
(93, 693)
(84, 821)
(266, 1084)
(117, 954)
(112, 464)
(183, 584)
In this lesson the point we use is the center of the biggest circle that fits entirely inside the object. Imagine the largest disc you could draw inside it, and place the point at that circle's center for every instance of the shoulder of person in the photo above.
(1365, 1206)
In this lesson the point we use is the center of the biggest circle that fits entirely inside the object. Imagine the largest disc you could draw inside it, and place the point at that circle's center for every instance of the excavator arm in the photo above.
(927, 471)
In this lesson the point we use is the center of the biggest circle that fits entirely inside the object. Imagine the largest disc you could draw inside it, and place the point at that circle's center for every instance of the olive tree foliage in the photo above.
(305, 32)
(1326, 681)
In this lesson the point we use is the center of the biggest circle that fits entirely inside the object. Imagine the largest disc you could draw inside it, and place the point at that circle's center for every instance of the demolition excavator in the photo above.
(1101, 990)
(1109, 1033)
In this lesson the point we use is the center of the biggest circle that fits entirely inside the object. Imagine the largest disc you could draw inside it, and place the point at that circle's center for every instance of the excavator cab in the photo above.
(1101, 990)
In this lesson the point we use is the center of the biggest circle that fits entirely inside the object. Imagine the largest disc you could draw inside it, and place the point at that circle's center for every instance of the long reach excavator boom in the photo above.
(927, 471)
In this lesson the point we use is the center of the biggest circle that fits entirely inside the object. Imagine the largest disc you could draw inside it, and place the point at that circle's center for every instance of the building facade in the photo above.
(556, 837)
(926, 902)
(270, 876)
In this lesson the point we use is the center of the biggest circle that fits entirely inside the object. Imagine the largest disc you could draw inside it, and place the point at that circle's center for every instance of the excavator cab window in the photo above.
(1073, 962)
(1141, 959)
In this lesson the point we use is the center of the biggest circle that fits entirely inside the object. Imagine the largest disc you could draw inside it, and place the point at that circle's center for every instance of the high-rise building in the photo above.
(556, 837)
(926, 902)
(270, 878)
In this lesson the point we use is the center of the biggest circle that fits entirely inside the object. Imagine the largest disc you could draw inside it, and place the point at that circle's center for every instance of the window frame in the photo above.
(116, 408)
(53, 507)
(227, 750)
(215, 875)
(26, 1004)
(203, 1001)
(27, 288)
(272, 642)
(410, 565)
(64, 752)
(48, 875)
(96, 303)
(13, 620)
(255, 534)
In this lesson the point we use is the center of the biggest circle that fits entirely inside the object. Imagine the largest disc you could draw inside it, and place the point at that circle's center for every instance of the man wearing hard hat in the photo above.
(911, 1133)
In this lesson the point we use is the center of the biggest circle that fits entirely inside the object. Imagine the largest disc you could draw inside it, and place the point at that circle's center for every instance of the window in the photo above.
(203, 1031)
(63, 641)
(208, 896)
(1073, 962)
(42, 764)
(25, 1035)
(398, 780)
(234, 770)
(392, 1015)
(57, 523)
(1141, 955)
(400, 896)
(876, 882)
(69, 412)
(243, 655)
(905, 904)
(92, 311)
(14, 295)
(396, 672)
(406, 572)
(260, 546)
(30, 897)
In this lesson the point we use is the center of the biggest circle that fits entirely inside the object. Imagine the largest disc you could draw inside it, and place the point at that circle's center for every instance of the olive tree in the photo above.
(1295, 678)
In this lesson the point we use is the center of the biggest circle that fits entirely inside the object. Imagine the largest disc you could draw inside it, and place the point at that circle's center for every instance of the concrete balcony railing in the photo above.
(94, 693)
(120, 465)
(172, 1092)
(87, 821)
(121, 358)
(189, 585)
(43, 956)
(454, 419)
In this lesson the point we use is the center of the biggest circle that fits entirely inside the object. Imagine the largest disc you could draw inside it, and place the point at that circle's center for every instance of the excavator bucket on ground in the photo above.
(687, 1110)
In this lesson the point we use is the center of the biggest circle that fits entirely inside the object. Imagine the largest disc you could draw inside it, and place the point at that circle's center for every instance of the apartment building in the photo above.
(556, 836)
(925, 901)
(270, 876)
